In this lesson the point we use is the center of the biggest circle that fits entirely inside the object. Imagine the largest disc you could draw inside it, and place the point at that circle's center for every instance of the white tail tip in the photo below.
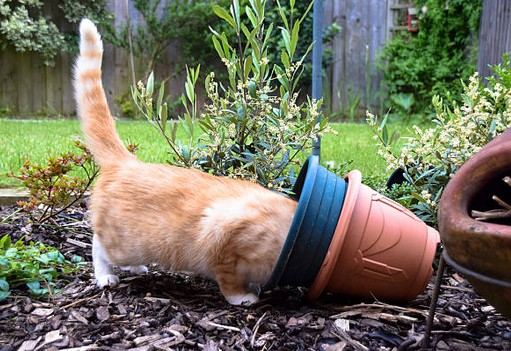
(90, 40)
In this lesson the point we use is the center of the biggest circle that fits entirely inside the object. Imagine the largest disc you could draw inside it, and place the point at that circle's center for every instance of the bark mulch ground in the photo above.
(167, 311)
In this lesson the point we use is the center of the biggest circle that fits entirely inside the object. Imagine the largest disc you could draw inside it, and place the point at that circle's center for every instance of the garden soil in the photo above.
(168, 311)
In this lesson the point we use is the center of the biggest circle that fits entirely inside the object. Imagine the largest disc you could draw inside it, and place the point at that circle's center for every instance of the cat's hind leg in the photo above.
(102, 266)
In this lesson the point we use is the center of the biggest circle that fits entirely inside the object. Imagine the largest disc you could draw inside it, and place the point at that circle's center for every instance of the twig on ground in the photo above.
(256, 328)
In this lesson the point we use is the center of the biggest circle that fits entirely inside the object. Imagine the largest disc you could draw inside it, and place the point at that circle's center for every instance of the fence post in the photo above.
(317, 52)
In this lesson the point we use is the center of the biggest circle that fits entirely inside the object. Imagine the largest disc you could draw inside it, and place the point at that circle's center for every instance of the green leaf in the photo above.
(163, 117)
(256, 68)
(11, 252)
(77, 259)
(191, 79)
(309, 49)
(248, 34)
(160, 96)
(185, 151)
(294, 38)
(287, 40)
(223, 14)
(306, 12)
(34, 285)
(5, 265)
(247, 67)
(281, 77)
(236, 13)
(385, 136)
(150, 84)
(267, 37)
(5, 242)
(384, 120)
(43, 259)
(258, 7)
(284, 57)
(4, 285)
(173, 130)
(251, 16)
(282, 14)
(4, 295)
(394, 137)
(252, 89)
(218, 47)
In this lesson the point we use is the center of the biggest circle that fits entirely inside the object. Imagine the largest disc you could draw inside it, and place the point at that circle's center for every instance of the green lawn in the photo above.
(36, 139)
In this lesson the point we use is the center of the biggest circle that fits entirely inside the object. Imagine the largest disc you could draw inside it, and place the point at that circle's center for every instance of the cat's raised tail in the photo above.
(92, 108)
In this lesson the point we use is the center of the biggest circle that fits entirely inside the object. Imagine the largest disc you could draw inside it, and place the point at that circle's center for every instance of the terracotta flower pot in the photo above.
(379, 249)
(481, 251)
(371, 246)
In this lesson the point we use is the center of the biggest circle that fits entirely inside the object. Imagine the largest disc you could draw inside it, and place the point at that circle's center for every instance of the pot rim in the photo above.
(354, 182)
(312, 163)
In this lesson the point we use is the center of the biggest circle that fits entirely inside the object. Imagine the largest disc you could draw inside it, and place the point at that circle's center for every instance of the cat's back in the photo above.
(161, 183)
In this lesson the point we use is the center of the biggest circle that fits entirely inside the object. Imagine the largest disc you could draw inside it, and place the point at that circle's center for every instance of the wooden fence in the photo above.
(366, 26)
(495, 34)
(27, 87)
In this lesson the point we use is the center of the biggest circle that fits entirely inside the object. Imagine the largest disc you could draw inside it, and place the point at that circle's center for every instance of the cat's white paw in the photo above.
(107, 280)
(245, 300)
(140, 270)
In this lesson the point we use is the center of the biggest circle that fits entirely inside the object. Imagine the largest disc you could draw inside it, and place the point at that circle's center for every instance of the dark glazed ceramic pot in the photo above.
(481, 251)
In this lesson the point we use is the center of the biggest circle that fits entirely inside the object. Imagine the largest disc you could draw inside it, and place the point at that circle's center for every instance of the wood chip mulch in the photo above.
(167, 311)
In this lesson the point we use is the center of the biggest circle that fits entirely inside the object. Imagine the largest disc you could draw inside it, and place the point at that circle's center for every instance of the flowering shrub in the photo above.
(432, 155)
(252, 126)
(53, 186)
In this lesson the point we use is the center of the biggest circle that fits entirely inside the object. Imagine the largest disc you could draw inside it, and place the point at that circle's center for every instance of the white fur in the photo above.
(140, 270)
(245, 300)
(102, 266)
(89, 60)
(87, 27)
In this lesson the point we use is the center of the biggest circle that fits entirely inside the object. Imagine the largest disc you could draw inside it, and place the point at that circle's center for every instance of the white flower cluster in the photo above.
(432, 155)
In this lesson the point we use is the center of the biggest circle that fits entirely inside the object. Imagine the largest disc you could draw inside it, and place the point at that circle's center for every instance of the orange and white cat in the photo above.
(181, 219)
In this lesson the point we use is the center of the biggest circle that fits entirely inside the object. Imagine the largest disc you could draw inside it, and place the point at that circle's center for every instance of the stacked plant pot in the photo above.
(348, 239)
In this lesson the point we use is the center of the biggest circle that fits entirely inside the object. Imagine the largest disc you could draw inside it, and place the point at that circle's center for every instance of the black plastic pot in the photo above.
(320, 195)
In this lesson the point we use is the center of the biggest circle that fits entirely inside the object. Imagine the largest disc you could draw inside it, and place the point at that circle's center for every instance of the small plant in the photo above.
(5, 111)
(404, 103)
(252, 126)
(35, 266)
(352, 103)
(432, 155)
(126, 106)
(56, 185)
